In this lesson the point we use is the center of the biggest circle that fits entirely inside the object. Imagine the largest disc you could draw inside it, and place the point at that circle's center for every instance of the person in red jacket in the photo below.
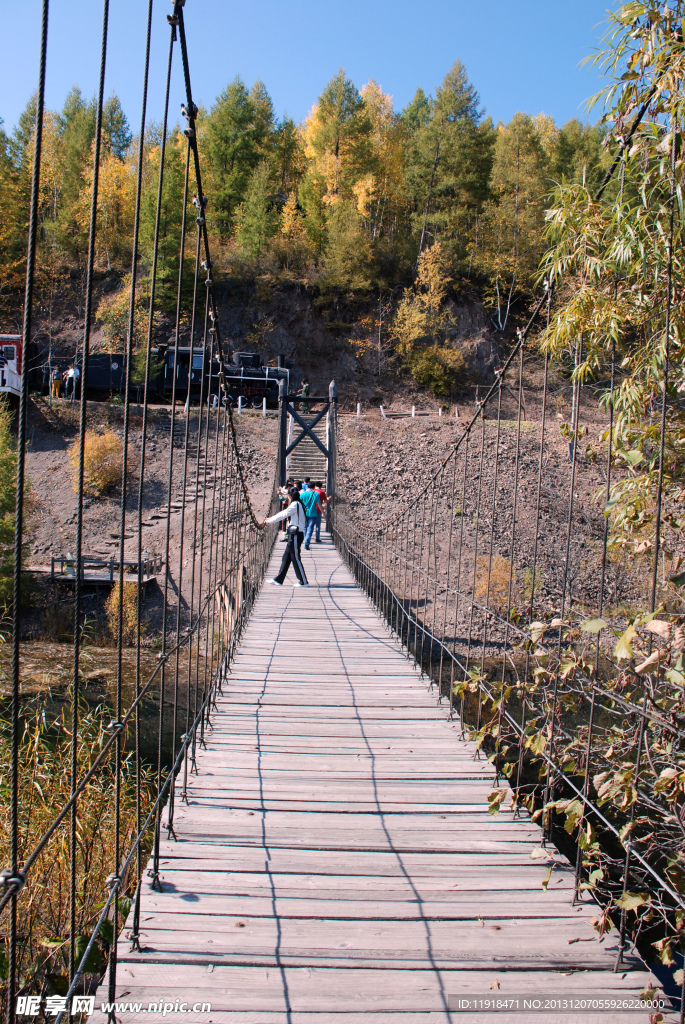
(323, 499)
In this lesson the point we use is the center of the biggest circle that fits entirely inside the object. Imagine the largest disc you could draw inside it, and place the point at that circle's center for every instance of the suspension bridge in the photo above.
(335, 855)
(389, 796)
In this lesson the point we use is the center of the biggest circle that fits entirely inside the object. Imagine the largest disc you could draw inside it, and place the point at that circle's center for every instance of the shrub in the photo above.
(103, 465)
(129, 618)
(437, 369)
(497, 591)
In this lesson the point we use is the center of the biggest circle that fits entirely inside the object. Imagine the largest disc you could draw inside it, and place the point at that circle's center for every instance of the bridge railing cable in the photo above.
(149, 731)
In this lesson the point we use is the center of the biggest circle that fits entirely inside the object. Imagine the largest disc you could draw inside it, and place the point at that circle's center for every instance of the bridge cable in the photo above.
(78, 584)
(15, 879)
(125, 452)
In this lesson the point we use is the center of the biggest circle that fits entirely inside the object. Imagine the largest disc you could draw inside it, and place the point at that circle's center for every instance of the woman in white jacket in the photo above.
(295, 512)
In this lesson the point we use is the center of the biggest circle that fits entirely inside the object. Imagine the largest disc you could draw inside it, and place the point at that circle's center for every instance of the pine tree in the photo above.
(311, 195)
(512, 228)
(238, 135)
(348, 253)
(116, 133)
(288, 154)
(578, 154)
(337, 136)
(256, 217)
(12, 221)
(417, 113)
(116, 201)
(449, 161)
(21, 136)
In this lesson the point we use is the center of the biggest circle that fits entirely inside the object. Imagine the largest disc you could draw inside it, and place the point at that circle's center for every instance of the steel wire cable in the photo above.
(172, 427)
(196, 498)
(459, 557)
(475, 559)
(449, 568)
(80, 493)
(434, 532)
(205, 460)
(493, 517)
(512, 550)
(126, 430)
(210, 567)
(15, 879)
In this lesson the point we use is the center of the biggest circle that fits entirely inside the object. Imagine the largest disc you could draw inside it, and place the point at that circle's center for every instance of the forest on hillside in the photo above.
(368, 206)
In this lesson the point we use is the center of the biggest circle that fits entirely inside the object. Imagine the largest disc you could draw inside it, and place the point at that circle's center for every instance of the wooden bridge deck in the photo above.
(337, 860)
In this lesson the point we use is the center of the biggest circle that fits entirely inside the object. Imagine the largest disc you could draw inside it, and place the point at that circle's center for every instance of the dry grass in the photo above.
(57, 622)
(129, 617)
(103, 462)
(496, 592)
(44, 784)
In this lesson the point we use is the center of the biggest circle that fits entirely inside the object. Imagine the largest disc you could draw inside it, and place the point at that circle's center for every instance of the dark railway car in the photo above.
(246, 377)
(106, 373)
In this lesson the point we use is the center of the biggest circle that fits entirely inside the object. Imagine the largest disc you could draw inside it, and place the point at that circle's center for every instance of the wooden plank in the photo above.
(379, 864)
(264, 989)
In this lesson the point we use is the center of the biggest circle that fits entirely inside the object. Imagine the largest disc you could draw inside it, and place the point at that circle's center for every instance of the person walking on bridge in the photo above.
(310, 501)
(297, 517)
(323, 500)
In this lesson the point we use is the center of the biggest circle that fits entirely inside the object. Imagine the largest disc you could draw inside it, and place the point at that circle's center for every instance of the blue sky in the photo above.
(520, 54)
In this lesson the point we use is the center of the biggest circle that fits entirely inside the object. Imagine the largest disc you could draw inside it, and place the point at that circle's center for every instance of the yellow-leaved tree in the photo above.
(380, 190)
(116, 204)
(293, 244)
(421, 324)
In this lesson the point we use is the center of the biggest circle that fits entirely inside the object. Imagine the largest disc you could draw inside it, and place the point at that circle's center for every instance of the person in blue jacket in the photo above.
(310, 501)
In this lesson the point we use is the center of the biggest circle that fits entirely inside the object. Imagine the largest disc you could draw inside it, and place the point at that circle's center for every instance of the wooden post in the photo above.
(331, 446)
(282, 430)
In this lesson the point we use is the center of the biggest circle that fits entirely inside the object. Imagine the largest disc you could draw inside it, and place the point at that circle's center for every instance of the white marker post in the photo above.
(240, 404)
(440, 410)
(264, 407)
(359, 409)
(413, 410)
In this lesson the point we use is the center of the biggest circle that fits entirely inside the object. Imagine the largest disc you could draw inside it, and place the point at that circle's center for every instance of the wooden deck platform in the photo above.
(92, 577)
(337, 861)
